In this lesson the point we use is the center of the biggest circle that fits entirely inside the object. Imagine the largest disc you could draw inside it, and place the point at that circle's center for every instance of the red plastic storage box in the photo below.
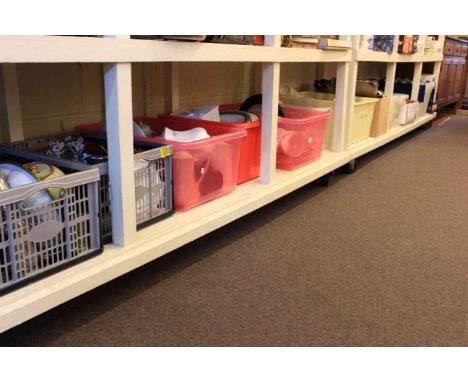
(300, 137)
(249, 161)
(202, 170)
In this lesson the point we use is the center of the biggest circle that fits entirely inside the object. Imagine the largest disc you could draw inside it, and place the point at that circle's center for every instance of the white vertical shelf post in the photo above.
(351, 93)
(119, 120)
(340, 110)
(270, 91)
(171, 87)
(12, 101)
(389, 86)
(416, 80)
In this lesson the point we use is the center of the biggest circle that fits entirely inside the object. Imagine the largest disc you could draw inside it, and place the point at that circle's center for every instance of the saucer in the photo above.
(16, 176)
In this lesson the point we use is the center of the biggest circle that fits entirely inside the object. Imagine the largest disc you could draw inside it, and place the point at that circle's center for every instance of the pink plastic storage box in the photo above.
(202, 170)
(249, 160)
(300, 137)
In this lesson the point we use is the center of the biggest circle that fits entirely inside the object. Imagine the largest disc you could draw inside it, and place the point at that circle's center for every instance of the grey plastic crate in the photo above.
(35, 240)
(153, 184)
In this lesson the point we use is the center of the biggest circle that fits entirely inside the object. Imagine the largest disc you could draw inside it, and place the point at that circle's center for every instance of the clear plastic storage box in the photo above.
(203, 170)
(249, 159)
(300, 137)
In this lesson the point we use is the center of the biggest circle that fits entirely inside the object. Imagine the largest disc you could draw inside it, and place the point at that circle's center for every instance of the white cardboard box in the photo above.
(410, 112)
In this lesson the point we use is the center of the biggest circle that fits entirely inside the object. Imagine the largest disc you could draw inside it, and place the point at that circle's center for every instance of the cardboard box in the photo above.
(380, 119)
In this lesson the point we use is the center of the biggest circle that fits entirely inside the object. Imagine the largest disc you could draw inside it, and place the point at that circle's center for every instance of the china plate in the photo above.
(17, 176)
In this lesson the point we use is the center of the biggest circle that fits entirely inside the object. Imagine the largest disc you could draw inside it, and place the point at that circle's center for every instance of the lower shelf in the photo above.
(169, 234)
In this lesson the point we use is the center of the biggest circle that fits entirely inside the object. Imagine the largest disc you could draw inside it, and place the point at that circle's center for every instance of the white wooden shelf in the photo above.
(49, 49)
(169, 234)
(367, 55)
(135, 248)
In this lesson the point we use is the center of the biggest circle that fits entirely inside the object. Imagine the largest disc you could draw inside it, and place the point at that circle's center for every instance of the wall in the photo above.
(57, 97)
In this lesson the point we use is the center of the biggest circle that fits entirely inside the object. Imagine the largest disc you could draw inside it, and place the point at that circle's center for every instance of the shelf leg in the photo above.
(119, 119)
(350, 96)
(416, 80)
(339, 129)
(389, 85)
(270, 91)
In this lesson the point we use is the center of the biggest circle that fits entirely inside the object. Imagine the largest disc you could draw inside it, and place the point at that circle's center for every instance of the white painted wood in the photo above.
(270, 100)
(416, 80)
(16, 49)
(169, 234)
(389, 84)
(390, 78)
(133, 248)
(350, 95)
(341, 105)
(171, 87)
(12, 101)
(119, 119)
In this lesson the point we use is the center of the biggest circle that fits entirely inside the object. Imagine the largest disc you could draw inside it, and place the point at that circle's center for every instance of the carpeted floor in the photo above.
(380, 257)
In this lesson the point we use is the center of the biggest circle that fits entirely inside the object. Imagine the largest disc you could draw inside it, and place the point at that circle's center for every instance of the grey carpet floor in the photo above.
(379, 258)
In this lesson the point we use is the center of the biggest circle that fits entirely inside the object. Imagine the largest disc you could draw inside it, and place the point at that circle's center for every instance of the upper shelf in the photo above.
(43, 49)
(368, 55)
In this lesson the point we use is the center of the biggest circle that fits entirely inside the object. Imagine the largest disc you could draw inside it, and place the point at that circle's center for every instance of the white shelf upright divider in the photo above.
(341, 106)
(119, 120)
(390, 78)
(270, 91)
(416, 80)
(350, 95)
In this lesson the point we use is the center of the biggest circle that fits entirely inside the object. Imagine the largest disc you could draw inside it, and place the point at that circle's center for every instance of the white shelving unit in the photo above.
(132, 249)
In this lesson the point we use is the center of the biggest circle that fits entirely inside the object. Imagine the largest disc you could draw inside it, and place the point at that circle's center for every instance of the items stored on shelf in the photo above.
(368, 88)
(236, 39)
(153, 171)
(362, 115)
(380, 118)
(410, 112)
(377, 43)
(204, 169)
(45, 224)
(407, 44)
(232, 117)
(300, 137)
(397, 104)
(300, 133)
